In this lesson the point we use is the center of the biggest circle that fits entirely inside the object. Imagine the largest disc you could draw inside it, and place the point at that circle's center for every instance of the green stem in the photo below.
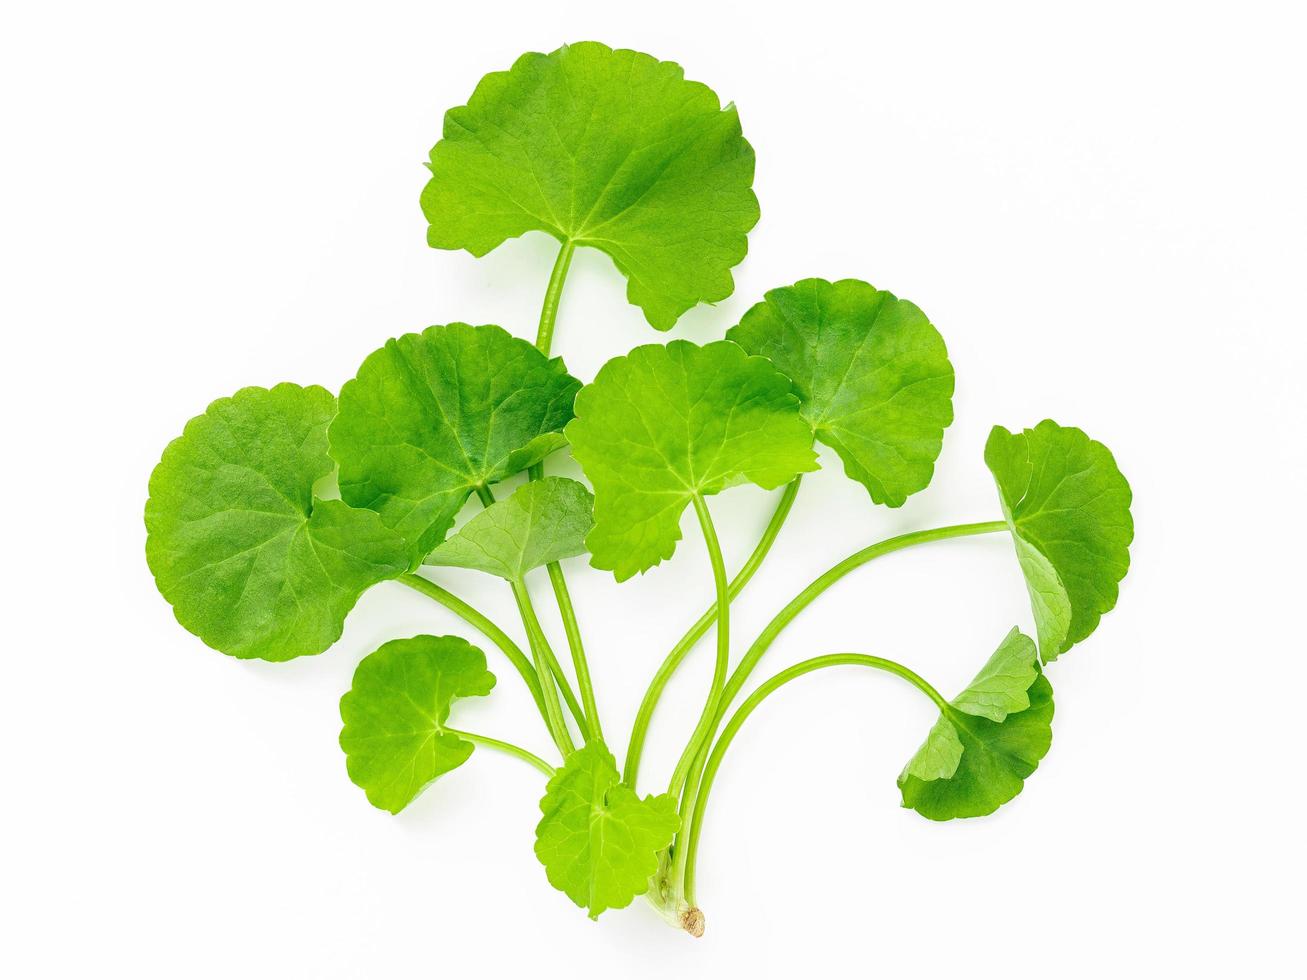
(695, 824)
(508, 747)
(549, 311)
(832, 575)
(487, 498)
(574, 643)
(545, 663)
(635, 747)
(792, 609)
(488, 629)
(680, 784)
(544, 340)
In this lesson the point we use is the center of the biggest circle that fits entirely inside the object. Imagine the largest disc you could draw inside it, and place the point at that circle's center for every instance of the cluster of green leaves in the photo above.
(277, 508)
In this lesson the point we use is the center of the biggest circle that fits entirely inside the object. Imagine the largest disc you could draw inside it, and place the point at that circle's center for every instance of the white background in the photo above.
(1101, 208)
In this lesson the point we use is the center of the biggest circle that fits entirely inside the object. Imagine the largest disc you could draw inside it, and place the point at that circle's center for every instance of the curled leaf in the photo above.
(873, 374)
(543, 521)
(395, 739)
(614, 150)
(987, 741)
(663, 425)
(252, 564)
(1068, 507)
(433, 416)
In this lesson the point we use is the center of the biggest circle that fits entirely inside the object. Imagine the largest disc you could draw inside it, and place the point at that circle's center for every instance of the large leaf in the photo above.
(395, 739)
(599, 841)
(433, 416)
(543, 521)
(662, 425)
(610, 149)
(873, 373)
(987, 741)
(252, 564)
(1068, 507)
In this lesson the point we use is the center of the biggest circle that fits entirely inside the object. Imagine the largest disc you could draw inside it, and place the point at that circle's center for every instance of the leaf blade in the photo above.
(543, 521)
(607, 148)
(394, 735)
(1067, 505)
(432, 416)
(598, 841)
(249, 560)
(987, 741)
(662, 424)
(873, 374)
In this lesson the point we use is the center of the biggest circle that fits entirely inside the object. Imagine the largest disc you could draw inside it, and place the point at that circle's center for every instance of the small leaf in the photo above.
(873, 373)
(394, 738)
(664, 424)
(598, 841)
(432, 416)
(252, 564)
(987, 742)
(610, 149)
(543, 521)
(1069, 510)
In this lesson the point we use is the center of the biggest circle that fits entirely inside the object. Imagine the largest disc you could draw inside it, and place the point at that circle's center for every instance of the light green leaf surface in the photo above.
(252, 564)
(543, 521)
(432, 416)
(599, 842)
(1001, 687)
(664, 424)
(1069, 510)
(394, 738)
(987, 742)
(614, 150)
(873, 373)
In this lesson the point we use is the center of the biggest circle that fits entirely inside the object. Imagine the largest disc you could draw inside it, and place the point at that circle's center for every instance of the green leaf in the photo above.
(663, 425)
(610, 149)
(433, 416)
(987, 741)
(873, 373)
(1069, 510)
(252, 564)
(599, 842)
(394, 738)
(543, 521)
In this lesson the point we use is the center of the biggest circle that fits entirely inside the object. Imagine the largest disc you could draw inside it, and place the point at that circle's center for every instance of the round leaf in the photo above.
(543, 521)
(252, 564)
(432, 416)
(599, 841)
(1068, 507)
(610, 149)
(987, 742)
(394, 738)
(873, 373)
(663, 425)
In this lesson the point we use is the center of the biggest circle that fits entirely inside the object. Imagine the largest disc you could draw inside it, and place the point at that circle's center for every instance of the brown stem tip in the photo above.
(692, 921)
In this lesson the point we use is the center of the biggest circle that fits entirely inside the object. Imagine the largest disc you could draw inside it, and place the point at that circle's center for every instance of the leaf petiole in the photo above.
(579, 663)
(555, 670)
(832, 575)
(703, 729)
(485, 627)
(635, 746)
(507, 747)
(546, 665)
(544, 339)
(683, 780)
(688, 841)
(696, 765)
(553, 295)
